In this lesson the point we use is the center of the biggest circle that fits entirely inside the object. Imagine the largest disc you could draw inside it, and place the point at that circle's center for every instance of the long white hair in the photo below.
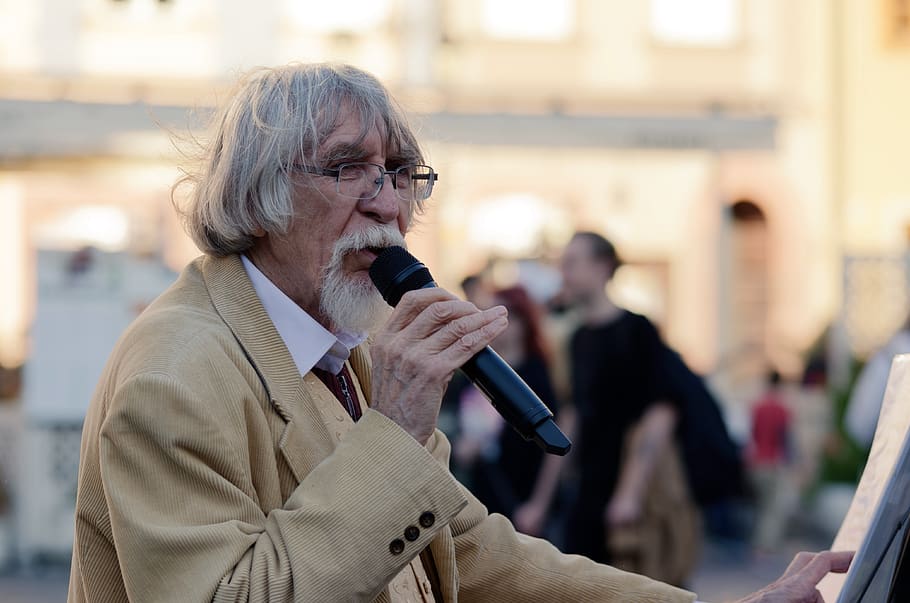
(276, 118)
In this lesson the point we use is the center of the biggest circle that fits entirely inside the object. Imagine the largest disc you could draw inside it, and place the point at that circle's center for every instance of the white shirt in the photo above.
(310, 344)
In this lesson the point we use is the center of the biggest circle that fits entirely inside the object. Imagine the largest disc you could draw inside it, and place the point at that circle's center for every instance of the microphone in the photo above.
(395, 272)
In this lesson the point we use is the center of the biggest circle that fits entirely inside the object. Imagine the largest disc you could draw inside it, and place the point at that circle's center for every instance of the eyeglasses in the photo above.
(363, 180)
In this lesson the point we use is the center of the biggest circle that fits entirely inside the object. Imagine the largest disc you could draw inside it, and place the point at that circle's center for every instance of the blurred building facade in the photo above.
(744, 155)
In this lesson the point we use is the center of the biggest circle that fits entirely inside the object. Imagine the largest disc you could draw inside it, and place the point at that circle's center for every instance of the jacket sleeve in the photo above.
(187, 525)
(496, 563)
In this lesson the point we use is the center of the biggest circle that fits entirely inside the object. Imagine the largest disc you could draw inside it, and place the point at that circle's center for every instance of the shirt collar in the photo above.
(309, 343)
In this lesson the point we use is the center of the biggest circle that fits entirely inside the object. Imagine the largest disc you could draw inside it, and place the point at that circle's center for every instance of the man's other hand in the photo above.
(798, 584)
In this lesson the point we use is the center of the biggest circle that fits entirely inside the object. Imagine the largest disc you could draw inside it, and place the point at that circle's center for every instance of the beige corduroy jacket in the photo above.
(208, 473)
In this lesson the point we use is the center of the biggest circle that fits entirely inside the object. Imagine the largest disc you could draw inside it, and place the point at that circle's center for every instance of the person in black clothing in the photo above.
(617, 383)
(503, 466)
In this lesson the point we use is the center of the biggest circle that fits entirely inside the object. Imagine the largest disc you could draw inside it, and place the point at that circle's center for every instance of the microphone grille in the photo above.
(395, 272)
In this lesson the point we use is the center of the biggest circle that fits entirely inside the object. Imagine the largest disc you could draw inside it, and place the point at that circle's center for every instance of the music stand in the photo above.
(900, 582)
(881, 569)
(878, 524)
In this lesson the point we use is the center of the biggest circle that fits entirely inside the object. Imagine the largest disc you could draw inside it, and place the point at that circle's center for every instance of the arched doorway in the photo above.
(748, 289)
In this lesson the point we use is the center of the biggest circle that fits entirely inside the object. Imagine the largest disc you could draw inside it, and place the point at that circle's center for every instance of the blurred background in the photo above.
(747, 157)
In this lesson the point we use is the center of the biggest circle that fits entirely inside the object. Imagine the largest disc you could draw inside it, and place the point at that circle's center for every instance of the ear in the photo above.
(259, 232)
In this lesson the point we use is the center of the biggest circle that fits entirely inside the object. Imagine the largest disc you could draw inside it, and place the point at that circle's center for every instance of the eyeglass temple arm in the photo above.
(316, 170)
(335, 172)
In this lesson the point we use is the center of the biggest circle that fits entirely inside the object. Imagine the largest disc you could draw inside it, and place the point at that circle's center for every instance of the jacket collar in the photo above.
(236, 302)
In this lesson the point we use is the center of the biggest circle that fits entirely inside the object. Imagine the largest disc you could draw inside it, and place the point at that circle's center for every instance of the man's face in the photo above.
(337, 291)
(583, 277)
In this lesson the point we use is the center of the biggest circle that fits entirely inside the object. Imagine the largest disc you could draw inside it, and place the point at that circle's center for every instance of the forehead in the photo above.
(348, 132)
(352, 138)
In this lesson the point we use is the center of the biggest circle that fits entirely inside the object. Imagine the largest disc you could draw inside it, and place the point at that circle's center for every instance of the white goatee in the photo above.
(354, 305)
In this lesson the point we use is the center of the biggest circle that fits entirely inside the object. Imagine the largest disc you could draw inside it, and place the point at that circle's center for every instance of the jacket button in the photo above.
(396, 546)
(427, 519)
(411, 533)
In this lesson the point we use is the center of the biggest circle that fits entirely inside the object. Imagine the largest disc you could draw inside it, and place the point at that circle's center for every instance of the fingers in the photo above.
(429, 335)
(446, 325)
(814, 566)
(800, 561)
(437, 321)
(802, 576)
(840, 561)
(414, 302)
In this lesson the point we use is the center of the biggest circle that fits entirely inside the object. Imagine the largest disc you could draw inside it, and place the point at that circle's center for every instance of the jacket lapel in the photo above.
(306, 440)
(300, 401)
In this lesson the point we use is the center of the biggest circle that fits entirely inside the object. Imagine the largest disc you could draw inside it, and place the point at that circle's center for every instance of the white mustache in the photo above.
(373, 236)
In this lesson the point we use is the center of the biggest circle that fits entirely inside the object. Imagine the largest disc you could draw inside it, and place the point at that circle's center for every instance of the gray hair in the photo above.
(276, 118)
(602, 250)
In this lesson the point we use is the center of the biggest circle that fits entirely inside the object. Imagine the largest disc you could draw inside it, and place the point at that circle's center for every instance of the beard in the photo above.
(354, 304)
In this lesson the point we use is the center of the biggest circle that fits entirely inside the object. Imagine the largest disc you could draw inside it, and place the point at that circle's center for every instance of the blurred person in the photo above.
(868, 393)
(626, 420)
(477, 290)
(815, 372)
(769, 458)
(504, 468)
(80, 261)
(248, 442)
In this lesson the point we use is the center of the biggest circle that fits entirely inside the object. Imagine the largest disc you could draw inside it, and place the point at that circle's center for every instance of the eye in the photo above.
(351, 171)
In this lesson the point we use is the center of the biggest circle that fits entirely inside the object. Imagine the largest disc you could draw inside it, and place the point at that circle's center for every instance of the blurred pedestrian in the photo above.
(770, 457)
(477, 290)
(621, 399)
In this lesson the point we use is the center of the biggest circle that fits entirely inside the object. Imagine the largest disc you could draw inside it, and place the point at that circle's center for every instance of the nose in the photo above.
(386, 206)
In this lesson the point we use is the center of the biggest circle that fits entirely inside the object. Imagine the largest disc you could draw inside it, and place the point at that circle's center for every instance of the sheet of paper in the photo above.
(893, 427)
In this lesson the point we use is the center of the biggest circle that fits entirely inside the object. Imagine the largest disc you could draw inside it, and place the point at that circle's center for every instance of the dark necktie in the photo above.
(343, 387)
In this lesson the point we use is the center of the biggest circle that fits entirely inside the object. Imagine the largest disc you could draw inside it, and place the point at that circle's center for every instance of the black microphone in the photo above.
(395, 272)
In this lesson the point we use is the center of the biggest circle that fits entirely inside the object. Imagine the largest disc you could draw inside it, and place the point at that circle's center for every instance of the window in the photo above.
(146, 4)
(339, 15)
(705, 23)
(897, 23)
(545, 20)
(108, 14)
(513, 224)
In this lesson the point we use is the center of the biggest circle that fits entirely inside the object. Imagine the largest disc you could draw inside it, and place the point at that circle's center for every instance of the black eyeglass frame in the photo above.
(432, 177)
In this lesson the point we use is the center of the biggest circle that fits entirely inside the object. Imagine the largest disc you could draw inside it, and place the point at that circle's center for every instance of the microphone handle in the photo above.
(525, 412)
(496, 380)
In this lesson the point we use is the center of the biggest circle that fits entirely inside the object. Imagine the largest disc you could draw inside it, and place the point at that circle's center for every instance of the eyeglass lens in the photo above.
(365, 180)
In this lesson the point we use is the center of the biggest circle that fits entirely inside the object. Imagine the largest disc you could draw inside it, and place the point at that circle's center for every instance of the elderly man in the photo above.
(246, 442)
